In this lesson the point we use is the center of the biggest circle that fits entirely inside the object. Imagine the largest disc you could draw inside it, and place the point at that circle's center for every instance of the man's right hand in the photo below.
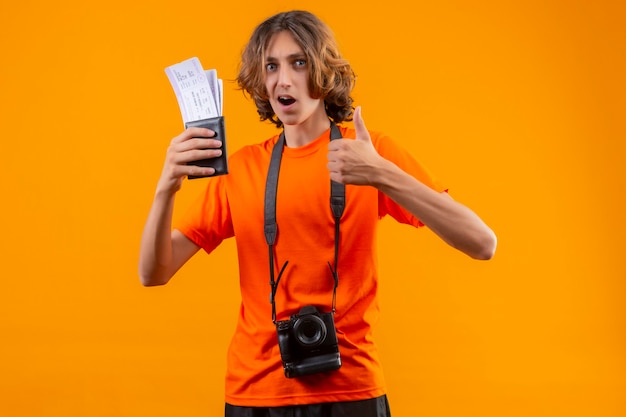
(193, 144)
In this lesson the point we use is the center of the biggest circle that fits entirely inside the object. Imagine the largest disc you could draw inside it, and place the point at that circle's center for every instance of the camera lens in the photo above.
(310, 331)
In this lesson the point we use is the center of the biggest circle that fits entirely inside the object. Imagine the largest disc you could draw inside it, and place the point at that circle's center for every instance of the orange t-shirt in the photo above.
(233, 205)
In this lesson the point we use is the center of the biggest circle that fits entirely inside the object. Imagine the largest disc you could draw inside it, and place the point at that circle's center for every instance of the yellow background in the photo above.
(518, 107)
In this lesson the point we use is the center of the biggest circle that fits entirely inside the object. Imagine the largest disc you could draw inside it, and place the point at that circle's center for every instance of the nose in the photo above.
(284, 76)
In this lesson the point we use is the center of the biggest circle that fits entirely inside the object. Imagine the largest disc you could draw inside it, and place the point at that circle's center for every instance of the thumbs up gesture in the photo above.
(354, 161)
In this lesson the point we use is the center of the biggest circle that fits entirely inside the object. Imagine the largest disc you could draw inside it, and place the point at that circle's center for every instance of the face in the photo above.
(286, 81)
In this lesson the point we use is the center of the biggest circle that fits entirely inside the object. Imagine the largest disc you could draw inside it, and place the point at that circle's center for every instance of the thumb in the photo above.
(359, 126)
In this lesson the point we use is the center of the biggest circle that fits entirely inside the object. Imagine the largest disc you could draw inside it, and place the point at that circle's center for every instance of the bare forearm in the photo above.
(155, 256)
(162, 250)
(358, 162)
(451, 221)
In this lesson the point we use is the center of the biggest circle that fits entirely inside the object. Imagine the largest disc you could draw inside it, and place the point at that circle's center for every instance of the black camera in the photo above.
(308, 343)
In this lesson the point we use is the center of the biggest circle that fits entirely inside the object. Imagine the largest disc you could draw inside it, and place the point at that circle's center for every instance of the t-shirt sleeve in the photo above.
(207, 222)
(391, 151)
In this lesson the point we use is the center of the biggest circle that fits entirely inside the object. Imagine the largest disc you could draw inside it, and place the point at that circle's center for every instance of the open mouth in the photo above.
(286, 100)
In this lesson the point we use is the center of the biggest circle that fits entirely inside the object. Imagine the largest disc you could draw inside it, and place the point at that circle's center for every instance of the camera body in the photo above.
(308, 343)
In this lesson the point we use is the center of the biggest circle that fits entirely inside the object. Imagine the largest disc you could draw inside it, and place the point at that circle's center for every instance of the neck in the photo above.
(306, 132)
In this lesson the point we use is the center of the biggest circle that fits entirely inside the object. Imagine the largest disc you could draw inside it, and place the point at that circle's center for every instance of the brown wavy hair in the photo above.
(331, 77)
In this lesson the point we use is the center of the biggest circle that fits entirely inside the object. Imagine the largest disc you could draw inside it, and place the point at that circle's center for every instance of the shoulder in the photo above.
(258, 151)
(381, 141)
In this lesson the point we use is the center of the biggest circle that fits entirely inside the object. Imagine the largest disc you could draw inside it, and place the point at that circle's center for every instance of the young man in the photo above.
(320, 254)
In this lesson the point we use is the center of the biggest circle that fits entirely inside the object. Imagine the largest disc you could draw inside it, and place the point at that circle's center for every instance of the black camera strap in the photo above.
(337, 204)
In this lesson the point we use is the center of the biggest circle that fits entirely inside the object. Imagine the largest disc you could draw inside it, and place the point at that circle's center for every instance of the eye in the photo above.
(270, 67)
(299, 63)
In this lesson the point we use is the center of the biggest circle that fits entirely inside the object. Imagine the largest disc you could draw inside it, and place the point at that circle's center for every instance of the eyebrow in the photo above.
(289, 57)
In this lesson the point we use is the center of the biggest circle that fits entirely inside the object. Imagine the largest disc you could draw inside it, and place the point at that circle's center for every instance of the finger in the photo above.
(359, 126)
(203, 143)
(196, 144)
(200, 132)
(189, 157)
(192, 133)
(198, 171)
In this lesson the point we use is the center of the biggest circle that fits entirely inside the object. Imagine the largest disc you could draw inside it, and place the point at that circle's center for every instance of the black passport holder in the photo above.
(220, 164)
